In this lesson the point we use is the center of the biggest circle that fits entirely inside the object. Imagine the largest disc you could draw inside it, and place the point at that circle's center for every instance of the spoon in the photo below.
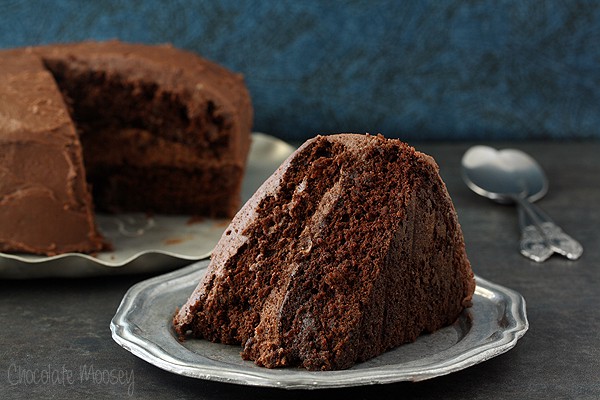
(511, 176)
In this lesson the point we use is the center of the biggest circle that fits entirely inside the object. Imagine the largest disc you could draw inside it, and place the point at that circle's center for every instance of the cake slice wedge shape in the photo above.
(351, 248)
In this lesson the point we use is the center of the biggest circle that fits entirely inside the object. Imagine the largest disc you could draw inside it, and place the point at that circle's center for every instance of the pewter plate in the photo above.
(144, 244)
(142, 325)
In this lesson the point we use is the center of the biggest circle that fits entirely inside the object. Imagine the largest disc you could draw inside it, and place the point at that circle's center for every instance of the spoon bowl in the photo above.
(503, 175)
(511, 176)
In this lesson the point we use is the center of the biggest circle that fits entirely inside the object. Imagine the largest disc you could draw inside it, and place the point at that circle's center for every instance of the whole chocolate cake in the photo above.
(351, 248)
(159, 130)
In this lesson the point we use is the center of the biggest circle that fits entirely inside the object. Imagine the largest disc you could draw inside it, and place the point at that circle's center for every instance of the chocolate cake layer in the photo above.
(351, 248)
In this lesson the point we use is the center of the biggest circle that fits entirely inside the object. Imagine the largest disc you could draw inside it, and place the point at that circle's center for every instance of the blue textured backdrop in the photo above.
(488, 69)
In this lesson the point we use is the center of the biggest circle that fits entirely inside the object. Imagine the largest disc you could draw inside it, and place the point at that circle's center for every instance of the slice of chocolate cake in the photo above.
(351, 248)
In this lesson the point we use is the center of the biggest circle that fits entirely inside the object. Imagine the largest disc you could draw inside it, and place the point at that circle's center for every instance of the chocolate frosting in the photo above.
(44, 203)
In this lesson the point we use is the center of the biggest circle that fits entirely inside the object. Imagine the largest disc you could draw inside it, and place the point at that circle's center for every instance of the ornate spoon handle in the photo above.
(532, 244)
(555, 238)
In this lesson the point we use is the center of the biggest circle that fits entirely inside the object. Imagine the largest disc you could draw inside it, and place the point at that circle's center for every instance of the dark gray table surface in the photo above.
(62, 326)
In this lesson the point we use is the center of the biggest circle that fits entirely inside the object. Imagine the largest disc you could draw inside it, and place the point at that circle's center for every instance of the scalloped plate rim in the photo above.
(124, 334)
